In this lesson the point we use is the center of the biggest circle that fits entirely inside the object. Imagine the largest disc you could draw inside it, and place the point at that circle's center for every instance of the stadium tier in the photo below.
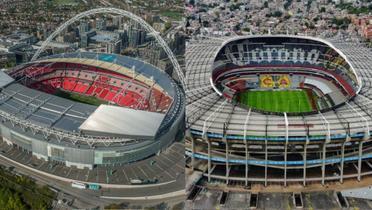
(279, 109)
(88, 109)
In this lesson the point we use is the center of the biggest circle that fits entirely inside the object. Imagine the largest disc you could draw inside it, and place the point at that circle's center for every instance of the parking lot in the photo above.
(210, 199)
(165, 167)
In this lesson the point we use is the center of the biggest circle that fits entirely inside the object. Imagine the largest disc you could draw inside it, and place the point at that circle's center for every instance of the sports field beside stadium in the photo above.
(289, 101)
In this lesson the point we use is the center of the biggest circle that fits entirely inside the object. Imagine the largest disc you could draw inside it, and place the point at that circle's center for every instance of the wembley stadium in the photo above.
(278, 110)
(87, 109)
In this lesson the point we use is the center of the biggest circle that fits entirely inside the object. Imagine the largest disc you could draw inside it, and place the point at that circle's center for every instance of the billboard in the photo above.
(283, 81)
(266, 81)
(275, 81)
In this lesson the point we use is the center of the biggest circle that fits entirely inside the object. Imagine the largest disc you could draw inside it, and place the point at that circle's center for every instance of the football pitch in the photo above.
(80, 98)
(289, 101)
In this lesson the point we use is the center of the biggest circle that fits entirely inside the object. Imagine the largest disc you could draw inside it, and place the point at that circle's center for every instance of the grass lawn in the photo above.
(80, 98)
(289, 101)
(65, 2)
(174, 15)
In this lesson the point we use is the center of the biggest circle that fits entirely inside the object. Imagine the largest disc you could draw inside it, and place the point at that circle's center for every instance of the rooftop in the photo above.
(123, 121)
(44, 109)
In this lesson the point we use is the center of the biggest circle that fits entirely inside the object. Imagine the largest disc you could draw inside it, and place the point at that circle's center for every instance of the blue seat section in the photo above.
(107, 58)
(279, 138)
(272, 162)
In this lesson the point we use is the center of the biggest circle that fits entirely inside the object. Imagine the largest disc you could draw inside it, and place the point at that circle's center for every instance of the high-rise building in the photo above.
(114, 46)
(136, 36)
(101, 24)
(117, 22)
(84, 38)
(123, 34)
(83, 27)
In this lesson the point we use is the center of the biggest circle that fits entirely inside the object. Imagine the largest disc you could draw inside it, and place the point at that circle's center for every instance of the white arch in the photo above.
(127, 14)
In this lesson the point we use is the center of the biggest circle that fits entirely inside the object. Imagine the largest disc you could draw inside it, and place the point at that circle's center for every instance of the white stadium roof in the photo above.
(107, 119)
(5, 79)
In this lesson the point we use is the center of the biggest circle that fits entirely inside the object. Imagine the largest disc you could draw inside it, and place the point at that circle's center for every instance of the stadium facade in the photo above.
(230, 141)
(86, 109)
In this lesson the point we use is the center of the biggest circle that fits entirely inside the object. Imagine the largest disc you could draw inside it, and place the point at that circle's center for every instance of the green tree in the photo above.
(167, 26)
(277, 14)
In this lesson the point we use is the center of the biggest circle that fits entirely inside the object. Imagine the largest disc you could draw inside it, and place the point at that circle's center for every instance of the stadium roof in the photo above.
(62, 114)
(56, 115)
(43, 109)
(5, 79)
(325, 124)
(108, 119)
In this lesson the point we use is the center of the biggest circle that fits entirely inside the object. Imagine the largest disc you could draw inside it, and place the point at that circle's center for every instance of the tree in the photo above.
(167, 26)
(21, 192)
(341, 22)
(10, 200)
(237, 27)
(205, 23)
(287, 4)
(277, 14)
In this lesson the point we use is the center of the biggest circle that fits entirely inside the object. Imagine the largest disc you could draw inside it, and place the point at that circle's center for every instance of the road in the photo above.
(85, 196)
(90, 198)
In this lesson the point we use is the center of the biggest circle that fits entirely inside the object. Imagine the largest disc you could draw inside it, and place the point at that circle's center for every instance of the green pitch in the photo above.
(80, 98)
(277, 101)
